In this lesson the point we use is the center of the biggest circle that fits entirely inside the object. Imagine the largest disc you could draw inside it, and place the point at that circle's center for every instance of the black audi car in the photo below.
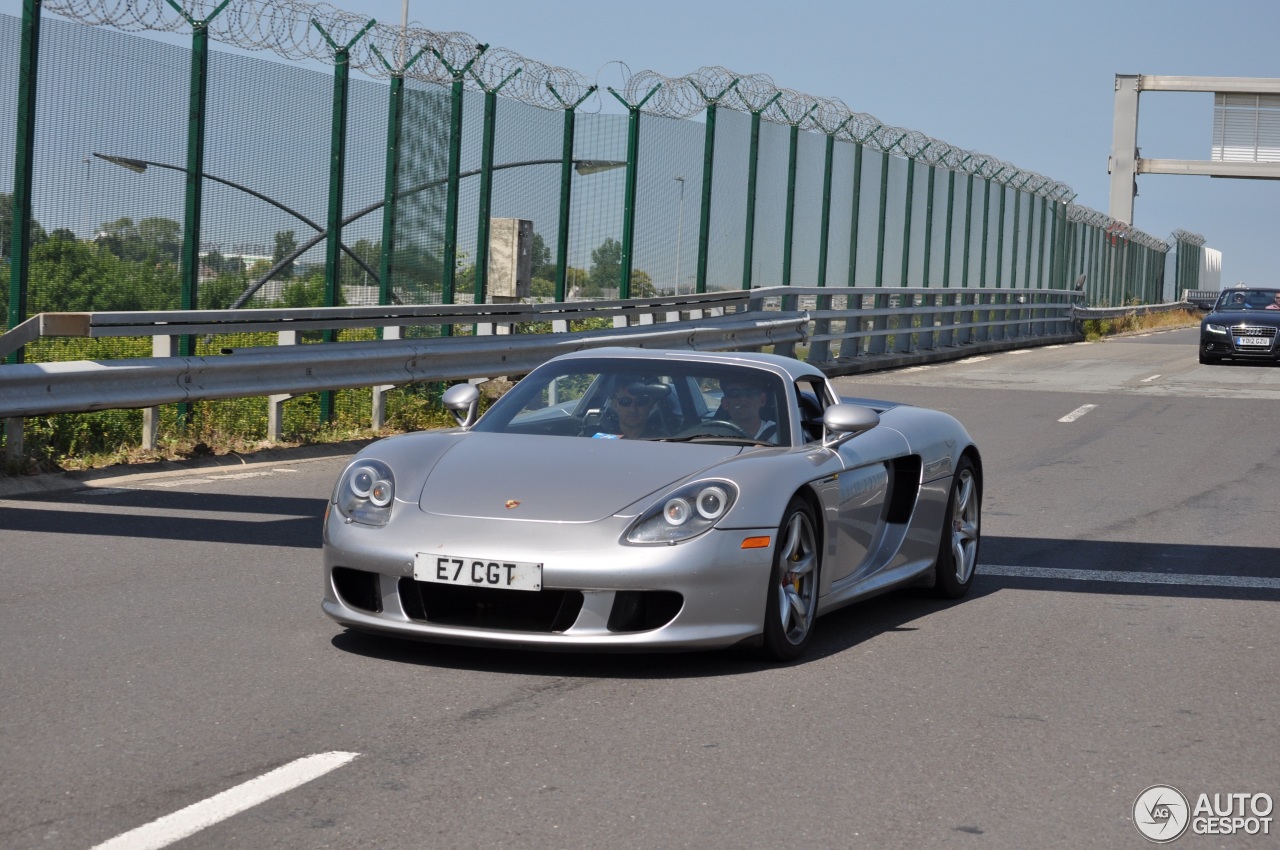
(1243, 325)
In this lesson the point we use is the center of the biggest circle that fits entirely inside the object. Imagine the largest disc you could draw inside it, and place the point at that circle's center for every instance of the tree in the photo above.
(6, 227)
(152, 240)
(642, 285)
(543, 264)
(159, 240)
(606, 268)
(286, 244)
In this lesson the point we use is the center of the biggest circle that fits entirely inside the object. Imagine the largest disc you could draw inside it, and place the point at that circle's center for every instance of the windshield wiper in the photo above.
(715, 438)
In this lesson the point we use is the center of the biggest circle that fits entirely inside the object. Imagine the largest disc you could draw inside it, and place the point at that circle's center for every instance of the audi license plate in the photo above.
(1260, 341)
(477, 572)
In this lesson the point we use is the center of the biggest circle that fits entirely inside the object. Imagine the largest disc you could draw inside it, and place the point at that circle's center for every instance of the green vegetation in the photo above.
(1095, 329)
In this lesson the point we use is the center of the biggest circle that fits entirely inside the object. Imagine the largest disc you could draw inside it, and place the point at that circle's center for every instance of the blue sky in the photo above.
(1029, 82)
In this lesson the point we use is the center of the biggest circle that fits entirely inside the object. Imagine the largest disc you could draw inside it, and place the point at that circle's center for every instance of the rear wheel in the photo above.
(792, 602)
(961, 533)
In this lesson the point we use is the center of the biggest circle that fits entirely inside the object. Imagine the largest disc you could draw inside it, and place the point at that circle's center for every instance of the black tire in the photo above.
(791, 604)
(961, 533)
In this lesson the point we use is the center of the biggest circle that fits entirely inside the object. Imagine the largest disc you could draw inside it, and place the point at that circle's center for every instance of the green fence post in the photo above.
(629, 201)
(789, 212)
(566, 188)
(907, 213)
(753, 166)
(824, 227)
(449, 263)
(337, 168)
(23, 168)
(853, 214)
(930, 186)
(23, 164)
(968, 233)
(820, 350)
(197, 97)
(879, 343)
(1017, 236)
(486, 183)
(395, 122)
(708, 166)
(194, 200)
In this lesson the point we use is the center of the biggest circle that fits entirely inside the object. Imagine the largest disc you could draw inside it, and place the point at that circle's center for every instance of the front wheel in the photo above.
(792, 602)
(961, 533)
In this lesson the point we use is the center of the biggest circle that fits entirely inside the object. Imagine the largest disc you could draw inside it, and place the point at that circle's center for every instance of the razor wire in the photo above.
(288, 28)
(1109, 225)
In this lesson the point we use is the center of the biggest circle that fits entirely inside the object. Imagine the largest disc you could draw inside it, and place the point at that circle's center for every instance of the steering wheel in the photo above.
(711, 428)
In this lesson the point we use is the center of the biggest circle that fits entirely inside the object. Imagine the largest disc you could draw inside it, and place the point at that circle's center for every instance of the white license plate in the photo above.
(1260, 341)
(477, 572)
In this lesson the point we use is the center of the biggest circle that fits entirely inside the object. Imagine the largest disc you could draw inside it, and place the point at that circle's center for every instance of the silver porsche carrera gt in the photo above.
(631, 499)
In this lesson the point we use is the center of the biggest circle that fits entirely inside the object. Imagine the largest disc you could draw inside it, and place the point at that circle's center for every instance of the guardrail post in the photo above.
(161, 346)
(13, 438)
(947, 302)
(275, 403)
(378, 407)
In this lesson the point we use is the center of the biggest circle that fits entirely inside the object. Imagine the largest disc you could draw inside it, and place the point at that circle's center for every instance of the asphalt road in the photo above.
(164, 649)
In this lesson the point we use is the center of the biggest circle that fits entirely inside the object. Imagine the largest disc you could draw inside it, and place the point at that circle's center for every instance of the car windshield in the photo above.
(1249, 299)
(667, 400)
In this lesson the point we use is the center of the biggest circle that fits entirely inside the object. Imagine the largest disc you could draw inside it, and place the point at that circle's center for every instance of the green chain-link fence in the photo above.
(381, 186)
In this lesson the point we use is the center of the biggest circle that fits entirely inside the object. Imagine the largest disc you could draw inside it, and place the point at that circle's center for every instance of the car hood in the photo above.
(1231, 318)
(556, 479)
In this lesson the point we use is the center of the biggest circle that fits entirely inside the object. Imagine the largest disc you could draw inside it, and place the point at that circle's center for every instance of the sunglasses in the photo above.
(741, 392)
(627, 401)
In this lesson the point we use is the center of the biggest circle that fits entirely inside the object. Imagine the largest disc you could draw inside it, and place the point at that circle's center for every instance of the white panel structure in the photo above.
(1246, 127)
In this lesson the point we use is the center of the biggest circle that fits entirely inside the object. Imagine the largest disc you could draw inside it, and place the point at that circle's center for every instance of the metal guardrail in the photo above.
(32, 389)
(1083, 313)
(491, 317)
(846, 331)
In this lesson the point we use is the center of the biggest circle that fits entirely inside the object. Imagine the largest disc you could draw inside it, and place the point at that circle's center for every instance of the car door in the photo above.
(859, 498)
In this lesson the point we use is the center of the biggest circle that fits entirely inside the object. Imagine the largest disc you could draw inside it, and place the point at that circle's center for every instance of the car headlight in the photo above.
(1215, 329)
(365, 493)
(683, 513)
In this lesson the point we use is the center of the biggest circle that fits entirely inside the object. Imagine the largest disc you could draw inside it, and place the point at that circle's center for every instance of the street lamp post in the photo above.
(139, 166)
(582, 166)
(679, 231)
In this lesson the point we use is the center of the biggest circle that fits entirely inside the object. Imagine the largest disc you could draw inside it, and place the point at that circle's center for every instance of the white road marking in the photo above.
(1077, 413)
(977, 359)
(192, 819)
(1152, 378)
(1254, 582)
(209, 479)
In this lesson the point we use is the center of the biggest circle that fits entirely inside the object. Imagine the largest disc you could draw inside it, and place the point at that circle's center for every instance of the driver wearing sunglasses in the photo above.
(633, 405)
(743, 401)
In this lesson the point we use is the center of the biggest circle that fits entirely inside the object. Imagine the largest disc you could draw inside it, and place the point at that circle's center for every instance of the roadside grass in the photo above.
(1095, 329)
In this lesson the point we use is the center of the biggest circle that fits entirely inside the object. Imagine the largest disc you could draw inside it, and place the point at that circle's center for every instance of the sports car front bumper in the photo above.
(596, 593)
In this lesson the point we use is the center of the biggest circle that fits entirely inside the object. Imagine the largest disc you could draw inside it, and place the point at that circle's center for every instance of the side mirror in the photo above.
(463, 401)
(843, 422)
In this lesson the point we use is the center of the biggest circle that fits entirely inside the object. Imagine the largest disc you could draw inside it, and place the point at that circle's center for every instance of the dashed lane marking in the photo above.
(1253, 582)
(206, 813)
(1077, 413)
